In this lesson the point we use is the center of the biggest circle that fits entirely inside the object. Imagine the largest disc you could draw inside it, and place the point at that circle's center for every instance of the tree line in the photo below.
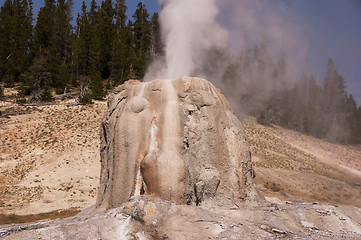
(105, 48)
(102, 48)
(258, 86)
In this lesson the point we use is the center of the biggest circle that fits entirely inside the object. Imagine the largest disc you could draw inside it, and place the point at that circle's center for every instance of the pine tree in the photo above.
(260, 71)
(121, 45)
(61, 39)
(120, 16)
(156, 46)
(15, 39)
(6, 27)
(358, 126)
(94, 43)
(351, 113)
(62, 29)
(81, 45)
(94, 52)
(37, 77)
(44, 28)
(278, 85)
(44, 48)
(314, 120)
(142, 39)
(333, 104)
(107, 34)
(62, 77)
(52, 41)
(302, 112)
(280, 73)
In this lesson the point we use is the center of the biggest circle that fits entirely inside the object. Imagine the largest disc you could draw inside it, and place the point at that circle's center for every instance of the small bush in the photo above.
(1, 92)
(108, 85)
(9, 81)
(24, 90)
(85, 99)
(46, 96)
(21, 100)
(59, 91)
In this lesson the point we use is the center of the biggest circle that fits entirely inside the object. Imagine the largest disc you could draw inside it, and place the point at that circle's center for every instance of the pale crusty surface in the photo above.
(145, 217)
(175, 139)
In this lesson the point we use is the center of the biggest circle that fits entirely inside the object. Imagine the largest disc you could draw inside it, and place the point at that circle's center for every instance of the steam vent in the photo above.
(178, 140)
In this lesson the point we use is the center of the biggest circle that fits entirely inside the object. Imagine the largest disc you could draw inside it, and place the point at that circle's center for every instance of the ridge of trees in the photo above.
(262, 88)
(102, 48)
(105, 48)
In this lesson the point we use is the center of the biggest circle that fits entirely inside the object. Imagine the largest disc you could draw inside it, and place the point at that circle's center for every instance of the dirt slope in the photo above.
(293, 166)
(49, 157)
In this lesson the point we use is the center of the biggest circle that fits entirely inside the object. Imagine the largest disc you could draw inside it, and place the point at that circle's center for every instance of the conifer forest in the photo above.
(52, 53)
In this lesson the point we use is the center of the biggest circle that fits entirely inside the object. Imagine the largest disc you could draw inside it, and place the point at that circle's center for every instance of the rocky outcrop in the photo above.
(178, 140)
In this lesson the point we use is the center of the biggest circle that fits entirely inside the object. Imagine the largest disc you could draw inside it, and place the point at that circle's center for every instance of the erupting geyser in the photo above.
(178, 140)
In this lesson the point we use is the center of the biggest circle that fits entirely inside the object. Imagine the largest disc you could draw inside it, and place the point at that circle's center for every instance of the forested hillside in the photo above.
(263, 88)
(103, 46)
(45, 54)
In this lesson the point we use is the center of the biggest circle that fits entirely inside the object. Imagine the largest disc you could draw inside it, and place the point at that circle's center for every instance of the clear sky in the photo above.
(331, 28)
(151, 6)
(335, 27)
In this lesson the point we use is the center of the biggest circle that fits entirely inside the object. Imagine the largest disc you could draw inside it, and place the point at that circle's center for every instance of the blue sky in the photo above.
(335, 28)
(151, 6)
(331, 28)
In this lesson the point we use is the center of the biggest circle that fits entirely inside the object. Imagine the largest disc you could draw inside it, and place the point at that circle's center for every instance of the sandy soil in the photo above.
(292, 166)
(49, 156)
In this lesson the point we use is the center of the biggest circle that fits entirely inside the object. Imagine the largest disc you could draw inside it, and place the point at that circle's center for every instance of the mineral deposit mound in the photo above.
(178, 140)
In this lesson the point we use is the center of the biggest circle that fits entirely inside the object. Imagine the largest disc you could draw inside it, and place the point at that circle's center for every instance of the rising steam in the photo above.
(189, 28)
(192, 35)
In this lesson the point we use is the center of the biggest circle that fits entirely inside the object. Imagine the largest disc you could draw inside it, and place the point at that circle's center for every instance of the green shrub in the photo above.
(85, 99)
(46, 96)
(24, 90)
(9, 81)
(59, 90)
(20, 100)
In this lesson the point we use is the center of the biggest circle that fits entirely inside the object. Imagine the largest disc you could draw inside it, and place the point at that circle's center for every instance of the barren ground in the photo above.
(49, 156)
(292, 166)
(49, 161)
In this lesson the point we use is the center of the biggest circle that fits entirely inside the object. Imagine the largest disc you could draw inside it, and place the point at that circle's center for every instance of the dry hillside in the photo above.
(293, 166)
(49, 156)
(49, 161)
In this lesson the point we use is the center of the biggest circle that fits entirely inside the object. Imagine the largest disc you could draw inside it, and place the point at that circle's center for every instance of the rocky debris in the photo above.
(178, 140)
(146, 217)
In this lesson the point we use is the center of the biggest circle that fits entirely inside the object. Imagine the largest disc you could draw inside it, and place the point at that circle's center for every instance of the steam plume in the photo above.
(192, 35)
(189, 27)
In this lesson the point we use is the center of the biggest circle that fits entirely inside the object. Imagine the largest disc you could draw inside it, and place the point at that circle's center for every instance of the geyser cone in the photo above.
(178, 140)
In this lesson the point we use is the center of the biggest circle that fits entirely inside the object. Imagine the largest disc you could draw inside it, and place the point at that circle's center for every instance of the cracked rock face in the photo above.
(178, 140)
